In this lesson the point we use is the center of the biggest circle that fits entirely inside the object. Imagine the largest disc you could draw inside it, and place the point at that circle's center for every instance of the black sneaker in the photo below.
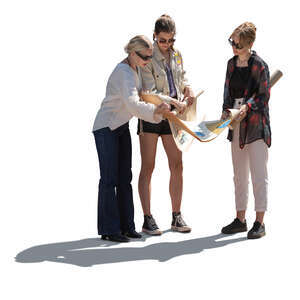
(235, 227)
(257, 231)
(115, 238)
(178, 223)
(132, 234)
(150, 226)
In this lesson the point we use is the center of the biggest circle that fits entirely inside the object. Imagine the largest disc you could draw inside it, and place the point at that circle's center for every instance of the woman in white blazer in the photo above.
(113, 141)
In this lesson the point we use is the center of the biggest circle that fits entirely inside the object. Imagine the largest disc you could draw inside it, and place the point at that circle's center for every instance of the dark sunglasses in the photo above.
(164, 41)
(145, 58)
(235, 45)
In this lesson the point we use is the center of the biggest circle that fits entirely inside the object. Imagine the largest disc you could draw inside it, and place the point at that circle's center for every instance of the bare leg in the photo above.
(260, 216)
(176, 168)
(148, 145)
(241, 215)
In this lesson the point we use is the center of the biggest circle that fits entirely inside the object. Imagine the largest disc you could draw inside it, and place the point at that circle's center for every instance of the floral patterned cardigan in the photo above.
(256, 124)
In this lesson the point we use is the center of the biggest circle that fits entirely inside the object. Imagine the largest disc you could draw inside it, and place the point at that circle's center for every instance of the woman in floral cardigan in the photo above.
(247, 88)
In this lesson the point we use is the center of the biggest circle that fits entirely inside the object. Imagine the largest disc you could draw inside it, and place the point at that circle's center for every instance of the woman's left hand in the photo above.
(180, 106)
(189, 95)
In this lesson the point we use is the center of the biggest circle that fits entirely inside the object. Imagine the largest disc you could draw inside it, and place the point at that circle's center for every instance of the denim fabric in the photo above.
(115, 201)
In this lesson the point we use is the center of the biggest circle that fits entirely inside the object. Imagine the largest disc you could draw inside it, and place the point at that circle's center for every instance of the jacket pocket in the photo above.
(160, 80)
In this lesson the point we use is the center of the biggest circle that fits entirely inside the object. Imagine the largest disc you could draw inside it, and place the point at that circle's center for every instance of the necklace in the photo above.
(243, 62)
(168, 58)
(166, 55)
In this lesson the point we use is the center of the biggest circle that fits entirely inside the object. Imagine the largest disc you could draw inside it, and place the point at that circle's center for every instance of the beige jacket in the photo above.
(154, 78)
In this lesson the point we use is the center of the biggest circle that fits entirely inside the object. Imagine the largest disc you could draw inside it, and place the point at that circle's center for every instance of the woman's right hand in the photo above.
(160, 109)
(225, 115)
(180, 106)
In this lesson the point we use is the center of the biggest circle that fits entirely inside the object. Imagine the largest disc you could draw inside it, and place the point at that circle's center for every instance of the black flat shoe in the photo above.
(115, 238)
(132, 234)
(257, 231)
(235, 227)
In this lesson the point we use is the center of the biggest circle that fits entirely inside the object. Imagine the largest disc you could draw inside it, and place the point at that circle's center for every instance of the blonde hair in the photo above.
(246, 33)
(138, 43)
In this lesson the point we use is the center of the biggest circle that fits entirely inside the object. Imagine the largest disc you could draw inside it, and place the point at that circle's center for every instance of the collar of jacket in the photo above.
(157, 54)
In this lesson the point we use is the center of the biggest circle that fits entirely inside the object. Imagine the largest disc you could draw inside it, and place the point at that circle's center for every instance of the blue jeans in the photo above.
(115, 201)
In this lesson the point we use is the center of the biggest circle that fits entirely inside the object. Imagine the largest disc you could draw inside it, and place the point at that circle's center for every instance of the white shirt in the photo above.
(122, 100)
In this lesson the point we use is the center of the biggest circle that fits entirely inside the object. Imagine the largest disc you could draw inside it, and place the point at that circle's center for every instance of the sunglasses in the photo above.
(235, 45)
(164, 41)
(145, 58)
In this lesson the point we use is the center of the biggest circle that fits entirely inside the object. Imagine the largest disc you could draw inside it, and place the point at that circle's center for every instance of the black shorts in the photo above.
(161, 128)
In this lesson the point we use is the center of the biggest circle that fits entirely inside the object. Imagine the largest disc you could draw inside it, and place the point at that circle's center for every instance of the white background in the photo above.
(56, 57)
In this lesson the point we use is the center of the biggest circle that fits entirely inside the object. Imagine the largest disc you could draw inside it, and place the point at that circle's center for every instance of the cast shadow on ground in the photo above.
(94, 251)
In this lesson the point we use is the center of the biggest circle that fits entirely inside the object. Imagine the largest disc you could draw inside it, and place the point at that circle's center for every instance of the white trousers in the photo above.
(253, 157)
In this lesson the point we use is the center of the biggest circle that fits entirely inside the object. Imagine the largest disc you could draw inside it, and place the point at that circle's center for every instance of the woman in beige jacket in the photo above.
(163, 75)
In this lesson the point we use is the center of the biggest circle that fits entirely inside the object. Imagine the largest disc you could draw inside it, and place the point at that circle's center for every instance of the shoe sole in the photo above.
(235, 231)
(153, 232)
(182, 230)
(106, 238)
(256, 237)
(132, 237)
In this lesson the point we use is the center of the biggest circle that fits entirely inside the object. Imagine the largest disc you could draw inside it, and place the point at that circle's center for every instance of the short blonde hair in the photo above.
(246, 33)
(138, 43)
